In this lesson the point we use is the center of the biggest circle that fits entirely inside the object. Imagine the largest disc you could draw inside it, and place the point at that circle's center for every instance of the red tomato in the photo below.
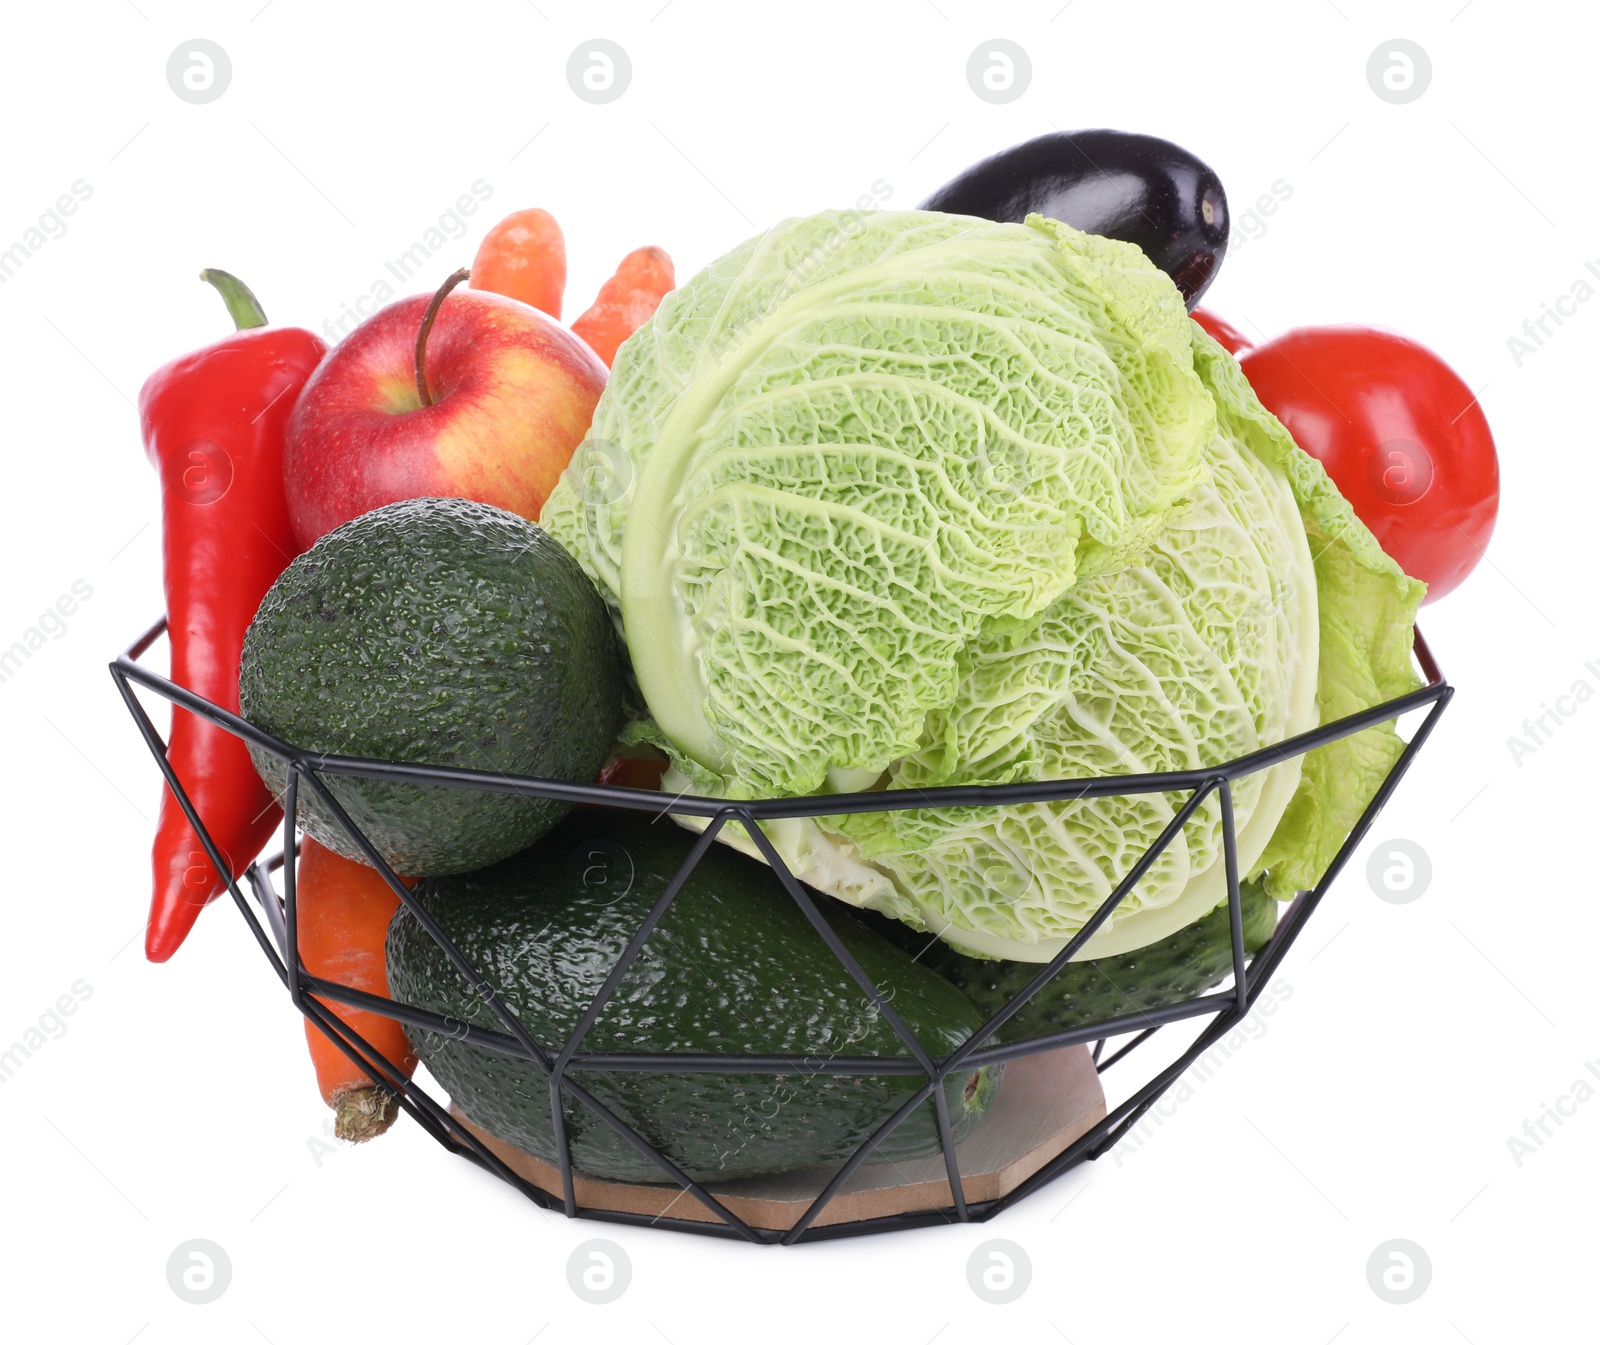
(1225, 334)
(1401, 435)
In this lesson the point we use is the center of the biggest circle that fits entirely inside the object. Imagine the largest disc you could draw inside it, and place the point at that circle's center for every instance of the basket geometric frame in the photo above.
(275, 932)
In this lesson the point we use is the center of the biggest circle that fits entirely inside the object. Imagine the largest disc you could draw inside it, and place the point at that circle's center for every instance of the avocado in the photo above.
(441, 633)
(733, 967)
(1177, 968)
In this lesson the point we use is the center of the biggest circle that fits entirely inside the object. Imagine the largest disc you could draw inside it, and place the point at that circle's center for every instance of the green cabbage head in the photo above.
(908, 499)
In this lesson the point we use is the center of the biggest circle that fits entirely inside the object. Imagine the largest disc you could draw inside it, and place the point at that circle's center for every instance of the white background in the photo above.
(1416, 1039)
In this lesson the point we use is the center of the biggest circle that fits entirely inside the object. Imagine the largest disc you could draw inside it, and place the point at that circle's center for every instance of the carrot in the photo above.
(524, 257)
(342, 918)
(626, 301)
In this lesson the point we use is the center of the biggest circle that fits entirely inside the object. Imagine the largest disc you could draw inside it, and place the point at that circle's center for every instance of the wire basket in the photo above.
(275, 932)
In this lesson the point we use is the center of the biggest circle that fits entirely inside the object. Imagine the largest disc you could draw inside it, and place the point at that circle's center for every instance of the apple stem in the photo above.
(427, 326)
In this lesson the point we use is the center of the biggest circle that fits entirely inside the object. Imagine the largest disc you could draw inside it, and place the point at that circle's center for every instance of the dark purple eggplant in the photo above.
(1138, 188)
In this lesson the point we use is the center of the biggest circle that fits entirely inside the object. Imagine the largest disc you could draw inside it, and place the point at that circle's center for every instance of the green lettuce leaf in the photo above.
(1367, 610)
(844, 450)
(912, 500)
(1200, 651)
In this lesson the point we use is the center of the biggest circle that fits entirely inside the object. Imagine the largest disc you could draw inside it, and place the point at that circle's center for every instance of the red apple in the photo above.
(512, 393)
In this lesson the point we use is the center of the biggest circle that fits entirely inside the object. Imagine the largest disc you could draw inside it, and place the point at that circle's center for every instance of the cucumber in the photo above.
(733, 967)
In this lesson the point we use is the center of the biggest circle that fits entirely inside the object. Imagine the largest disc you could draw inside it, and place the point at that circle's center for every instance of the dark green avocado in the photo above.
(442, 633)
(733, 967)
(1176, 968)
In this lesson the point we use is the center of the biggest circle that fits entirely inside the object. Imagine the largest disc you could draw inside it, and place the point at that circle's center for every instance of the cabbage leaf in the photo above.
(850, 446)
(911, 500)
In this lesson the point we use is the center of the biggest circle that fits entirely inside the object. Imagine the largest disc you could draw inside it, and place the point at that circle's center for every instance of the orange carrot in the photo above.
(524, 257)
(342, 917)
(626, 301)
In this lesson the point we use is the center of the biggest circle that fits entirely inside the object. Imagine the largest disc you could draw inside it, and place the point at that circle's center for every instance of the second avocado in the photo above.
(733, 967)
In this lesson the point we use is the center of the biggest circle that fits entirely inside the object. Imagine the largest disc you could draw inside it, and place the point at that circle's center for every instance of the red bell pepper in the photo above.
(213, 423)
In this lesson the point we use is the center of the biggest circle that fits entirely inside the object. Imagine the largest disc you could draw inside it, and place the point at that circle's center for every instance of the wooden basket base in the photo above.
(1046, 1102)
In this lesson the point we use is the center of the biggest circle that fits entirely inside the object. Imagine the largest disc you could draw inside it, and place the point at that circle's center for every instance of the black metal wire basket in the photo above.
(275, 932)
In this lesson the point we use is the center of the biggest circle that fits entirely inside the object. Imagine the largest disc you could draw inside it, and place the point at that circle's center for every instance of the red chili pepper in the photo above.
(213, 424)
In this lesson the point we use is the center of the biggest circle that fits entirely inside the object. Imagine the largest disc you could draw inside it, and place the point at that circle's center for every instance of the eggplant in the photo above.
(1139, 188)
